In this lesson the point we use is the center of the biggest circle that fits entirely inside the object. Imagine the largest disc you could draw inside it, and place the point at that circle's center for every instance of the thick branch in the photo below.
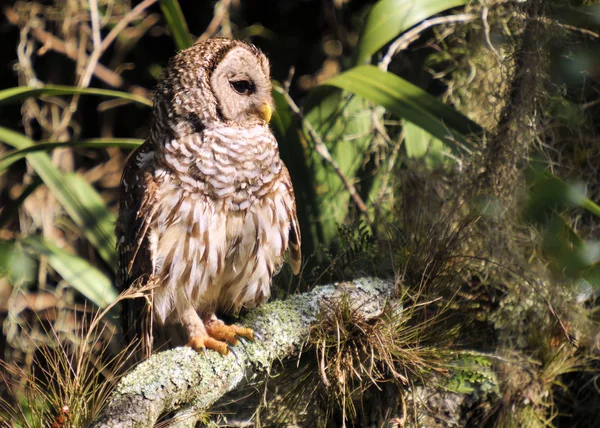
(182, 378)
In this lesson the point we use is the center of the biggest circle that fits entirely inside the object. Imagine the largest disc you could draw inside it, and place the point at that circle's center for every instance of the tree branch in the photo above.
(181, 378)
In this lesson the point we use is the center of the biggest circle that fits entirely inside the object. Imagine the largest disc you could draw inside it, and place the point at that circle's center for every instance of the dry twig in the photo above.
(322, 149)
(410, 36)
(221, 11)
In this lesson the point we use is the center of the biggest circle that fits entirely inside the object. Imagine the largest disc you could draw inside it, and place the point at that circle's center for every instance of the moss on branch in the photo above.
(182, 378)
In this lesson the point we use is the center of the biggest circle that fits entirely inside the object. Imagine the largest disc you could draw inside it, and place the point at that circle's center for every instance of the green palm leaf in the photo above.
(79, 199)
(22, 92)
(388, 18)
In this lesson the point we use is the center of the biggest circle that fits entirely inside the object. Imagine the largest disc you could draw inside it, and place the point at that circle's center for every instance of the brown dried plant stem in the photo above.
(185, 381)
(99, 47)
(49, 41)
(221, 12)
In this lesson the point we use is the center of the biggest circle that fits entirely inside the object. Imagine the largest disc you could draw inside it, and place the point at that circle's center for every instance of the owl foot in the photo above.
(229, 333)
(202, 343)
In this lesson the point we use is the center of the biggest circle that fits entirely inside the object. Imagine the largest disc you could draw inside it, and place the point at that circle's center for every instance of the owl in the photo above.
(207, 210)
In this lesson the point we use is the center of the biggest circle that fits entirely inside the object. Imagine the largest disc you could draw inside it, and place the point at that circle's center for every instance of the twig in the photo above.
(95, 19)
(221, 11)
(390, 167)
(102, 72)
(486, 32)
(183, 378)
(50, 41)
(110, 37)
(322, 150)
(411, 35)
(92, 61)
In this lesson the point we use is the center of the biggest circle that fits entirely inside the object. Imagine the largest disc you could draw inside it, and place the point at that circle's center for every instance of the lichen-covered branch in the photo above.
(181, 377)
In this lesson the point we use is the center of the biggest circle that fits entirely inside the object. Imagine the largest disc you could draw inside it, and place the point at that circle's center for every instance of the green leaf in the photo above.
(103, 220)
(345, 125)
(22, 92)
(549, 192)
(388, 18)
(9, 158)
(16, 264)
(409, 102)
(80, 201)
(176, 22)
(421, 144)
(285, 127)
(77, 272)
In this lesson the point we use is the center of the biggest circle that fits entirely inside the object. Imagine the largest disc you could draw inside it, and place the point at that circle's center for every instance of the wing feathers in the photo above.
(295, 239)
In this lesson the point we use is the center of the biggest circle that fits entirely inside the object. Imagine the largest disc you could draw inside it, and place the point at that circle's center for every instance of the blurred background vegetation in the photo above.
(451, 144)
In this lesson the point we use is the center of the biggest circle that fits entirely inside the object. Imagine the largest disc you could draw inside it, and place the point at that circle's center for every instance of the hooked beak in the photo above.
(265, 112)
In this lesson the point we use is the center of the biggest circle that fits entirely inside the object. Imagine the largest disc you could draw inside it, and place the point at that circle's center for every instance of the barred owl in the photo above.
(207, 210)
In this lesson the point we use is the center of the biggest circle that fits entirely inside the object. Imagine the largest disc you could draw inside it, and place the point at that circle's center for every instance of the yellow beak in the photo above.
(265, 112)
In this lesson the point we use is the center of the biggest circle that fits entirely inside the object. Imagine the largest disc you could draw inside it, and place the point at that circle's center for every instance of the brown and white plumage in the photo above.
(207, 208)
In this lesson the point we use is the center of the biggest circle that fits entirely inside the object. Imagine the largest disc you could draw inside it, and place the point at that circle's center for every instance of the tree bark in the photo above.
(185, 380)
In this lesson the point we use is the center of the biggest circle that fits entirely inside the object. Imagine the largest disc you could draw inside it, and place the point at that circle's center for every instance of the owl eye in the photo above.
(243, 87)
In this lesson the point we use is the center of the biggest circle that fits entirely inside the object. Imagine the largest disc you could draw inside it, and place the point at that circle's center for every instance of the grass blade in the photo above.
(77, 272)
(176, 22)
(9, 158)
(409, 102)
(79, 199)
(19, 93)
(388, 18)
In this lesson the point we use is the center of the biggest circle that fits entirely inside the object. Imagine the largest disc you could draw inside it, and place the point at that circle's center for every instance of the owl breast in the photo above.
(238, 166)
(220, 235)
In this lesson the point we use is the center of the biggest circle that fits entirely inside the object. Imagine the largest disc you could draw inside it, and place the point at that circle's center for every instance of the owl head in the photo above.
(219, 81)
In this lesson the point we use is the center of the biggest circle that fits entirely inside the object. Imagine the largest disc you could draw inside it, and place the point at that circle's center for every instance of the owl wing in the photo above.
(295, 239)
(135, 253)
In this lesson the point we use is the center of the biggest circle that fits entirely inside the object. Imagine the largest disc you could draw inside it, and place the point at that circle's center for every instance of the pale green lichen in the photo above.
(182, 377)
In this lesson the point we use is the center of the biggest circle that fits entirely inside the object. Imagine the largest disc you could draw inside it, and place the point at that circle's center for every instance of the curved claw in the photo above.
(233, 352)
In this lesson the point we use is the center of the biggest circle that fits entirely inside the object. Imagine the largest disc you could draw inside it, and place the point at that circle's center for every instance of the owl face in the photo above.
(216, 82)
(242, 86)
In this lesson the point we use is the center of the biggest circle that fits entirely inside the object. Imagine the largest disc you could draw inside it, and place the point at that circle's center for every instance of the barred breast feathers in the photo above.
(224, 162)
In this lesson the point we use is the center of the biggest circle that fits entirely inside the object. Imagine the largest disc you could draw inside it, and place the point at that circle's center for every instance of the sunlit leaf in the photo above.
(291, 148)
(77, 272)
(409, 102)
(388, 18)
(11, 157)
(345, 125)
(176, 22)
(104, 221)
(22, 92)
(80, 203)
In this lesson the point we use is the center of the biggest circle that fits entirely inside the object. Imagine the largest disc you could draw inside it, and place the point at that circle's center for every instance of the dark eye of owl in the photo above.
(243, 87)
